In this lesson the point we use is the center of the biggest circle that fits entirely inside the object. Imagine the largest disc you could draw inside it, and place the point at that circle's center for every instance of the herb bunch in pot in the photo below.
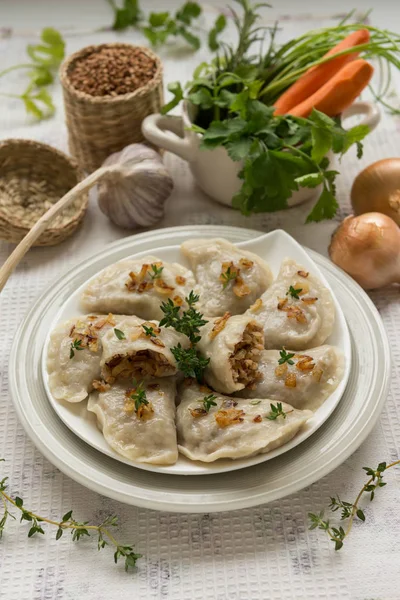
(260, 128)
(108, 90)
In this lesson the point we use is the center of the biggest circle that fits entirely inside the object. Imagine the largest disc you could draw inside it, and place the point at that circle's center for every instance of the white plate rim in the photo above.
(71, 464)
(184, 466)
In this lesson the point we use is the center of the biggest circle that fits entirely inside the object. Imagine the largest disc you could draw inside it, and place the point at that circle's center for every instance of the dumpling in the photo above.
(233, 345)
(296, 311)
(304, 380)
(233, 428)
(137, 287)
(74, 353)
(139, 349)
(228, 278)
(145, 433)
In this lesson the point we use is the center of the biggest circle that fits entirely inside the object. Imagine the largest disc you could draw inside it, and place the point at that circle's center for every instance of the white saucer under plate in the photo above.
(272, 247)
(339, 437)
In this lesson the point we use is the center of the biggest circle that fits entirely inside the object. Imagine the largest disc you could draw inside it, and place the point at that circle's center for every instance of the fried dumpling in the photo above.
(229, 279)
(297, 310)
(141, 432)
(303, 380)
(139, 349)
(74, 353)
(232, 427)
(138, 287)
(233, 346)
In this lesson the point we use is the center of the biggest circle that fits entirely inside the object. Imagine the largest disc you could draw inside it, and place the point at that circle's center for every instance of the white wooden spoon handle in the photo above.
(46, 220)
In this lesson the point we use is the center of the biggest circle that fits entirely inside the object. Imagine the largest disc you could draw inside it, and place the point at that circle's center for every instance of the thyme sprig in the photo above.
(139, 395)
(276, 411)
(227, 276)
(286, 357)
(350, 511)
(68, 523)
(294, 293)
(76, 345)
(156, 272)
(209, 401)
(119, 334)
(148, 331)
(188, 322)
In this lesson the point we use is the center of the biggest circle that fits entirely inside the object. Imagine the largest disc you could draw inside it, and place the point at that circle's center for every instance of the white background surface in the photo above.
(251, 554)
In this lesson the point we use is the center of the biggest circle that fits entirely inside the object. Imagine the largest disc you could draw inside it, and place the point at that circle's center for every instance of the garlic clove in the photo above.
(377, 189)
(367, 247)
(135, 189)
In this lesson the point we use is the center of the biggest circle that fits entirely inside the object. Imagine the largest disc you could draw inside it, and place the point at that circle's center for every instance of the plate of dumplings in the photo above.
(191, 355)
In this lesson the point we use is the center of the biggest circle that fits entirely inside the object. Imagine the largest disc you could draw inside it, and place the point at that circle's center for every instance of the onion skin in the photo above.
(377, 189)
(367, 247)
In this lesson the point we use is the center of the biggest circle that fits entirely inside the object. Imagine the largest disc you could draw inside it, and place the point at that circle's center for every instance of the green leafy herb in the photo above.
(68, 523)
(163, 25)
(349, 511)
(75, 345)
(219, 26)
(127, 15)
(149, 331)
(190, 362)
(255, 402)
(227, 276)
(294, 292)
(187, 322)
(234, 96)
(209, 401)
(156, 272)
(139, 395)
(120, 334)
(276, 411)
(286, 357)
(46, 58)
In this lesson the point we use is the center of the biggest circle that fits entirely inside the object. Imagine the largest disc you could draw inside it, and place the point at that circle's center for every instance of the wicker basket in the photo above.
(32, 177)
(100, 125)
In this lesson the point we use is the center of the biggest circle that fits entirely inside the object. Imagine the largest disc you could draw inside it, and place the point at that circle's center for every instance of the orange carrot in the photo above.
(339, 92)
(317, 76)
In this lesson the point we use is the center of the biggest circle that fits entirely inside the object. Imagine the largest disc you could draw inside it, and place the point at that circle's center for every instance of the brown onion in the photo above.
(367, 247)
(377, 188)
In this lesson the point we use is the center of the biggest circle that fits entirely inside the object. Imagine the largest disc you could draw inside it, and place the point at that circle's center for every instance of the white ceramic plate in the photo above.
(335, 440)
(272, 247)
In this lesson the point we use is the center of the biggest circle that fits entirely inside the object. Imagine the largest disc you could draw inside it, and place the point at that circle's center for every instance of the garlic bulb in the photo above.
(367, 247)
(377, 188)
(135, 187)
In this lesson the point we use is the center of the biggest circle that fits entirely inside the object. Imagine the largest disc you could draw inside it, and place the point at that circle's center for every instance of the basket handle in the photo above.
(45, 220)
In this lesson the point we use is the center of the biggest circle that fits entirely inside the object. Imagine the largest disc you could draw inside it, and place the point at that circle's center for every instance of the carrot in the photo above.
(339, 92)
(317, 76)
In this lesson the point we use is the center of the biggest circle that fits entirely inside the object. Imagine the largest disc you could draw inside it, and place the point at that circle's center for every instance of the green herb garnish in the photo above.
(286, 357)
(120, 334)
(160, 27)
(349, 511)
(149, 331)
(45, 59)
(139, 395)
(75, 345)
(187, 322)
(190, 362)
(156, 272)
(294, 293)
(208, 402)
(78, 530)
(227, 276)
(276, 411)
(255, 402)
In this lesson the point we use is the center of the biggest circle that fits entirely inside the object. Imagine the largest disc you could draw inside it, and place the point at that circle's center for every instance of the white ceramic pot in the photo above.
(214, 171)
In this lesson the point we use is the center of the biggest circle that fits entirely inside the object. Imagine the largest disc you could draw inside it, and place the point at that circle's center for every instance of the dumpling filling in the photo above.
(244, 360)
(138, 364)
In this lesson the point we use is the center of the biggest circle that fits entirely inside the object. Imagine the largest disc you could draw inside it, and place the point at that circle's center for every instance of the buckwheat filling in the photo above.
(246, 355)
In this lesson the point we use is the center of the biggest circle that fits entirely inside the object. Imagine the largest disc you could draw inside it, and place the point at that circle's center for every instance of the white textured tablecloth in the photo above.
(254, 554)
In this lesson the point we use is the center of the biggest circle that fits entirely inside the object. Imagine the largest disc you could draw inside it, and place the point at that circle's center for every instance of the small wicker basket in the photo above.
(101, 125)
(33, 176)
